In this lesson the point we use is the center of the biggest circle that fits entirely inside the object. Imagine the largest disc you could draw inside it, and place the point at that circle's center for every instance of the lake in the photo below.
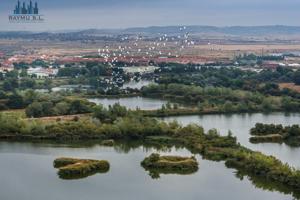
(27, 173)
(70, 88)
(137, 84)
(131, 84)
(131, 102)
(240, 125)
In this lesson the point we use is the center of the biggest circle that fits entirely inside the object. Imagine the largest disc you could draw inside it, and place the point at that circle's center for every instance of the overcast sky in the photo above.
(83, 14)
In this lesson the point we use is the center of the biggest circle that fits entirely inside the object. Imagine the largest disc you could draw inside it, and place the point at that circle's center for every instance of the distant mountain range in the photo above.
(209, 30)
(230, 30)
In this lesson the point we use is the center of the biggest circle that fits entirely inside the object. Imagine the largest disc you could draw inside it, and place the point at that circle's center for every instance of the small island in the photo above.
(108, 143)
(71, 168)
(290, 135)
(157, 164)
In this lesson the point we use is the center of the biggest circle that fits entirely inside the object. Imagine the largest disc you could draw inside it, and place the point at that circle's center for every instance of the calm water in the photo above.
(131, 102)
(27, 174)
(70, 88)
(137, 85)
(130, 84)
(240, 125)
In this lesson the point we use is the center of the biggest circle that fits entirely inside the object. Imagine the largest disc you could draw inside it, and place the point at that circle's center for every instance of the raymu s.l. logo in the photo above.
(26, 13)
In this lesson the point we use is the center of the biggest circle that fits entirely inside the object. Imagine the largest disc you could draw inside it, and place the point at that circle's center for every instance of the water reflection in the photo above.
(137, 84)
(240, 125)
(80, 175)
(264, 184)
(131, 102)
(28, 167)
(156, 174)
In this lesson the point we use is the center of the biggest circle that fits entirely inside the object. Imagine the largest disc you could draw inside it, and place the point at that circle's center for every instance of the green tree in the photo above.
(175, 106)
(77, 106)
(100, 113)
(23, 73)
(10, 84)
(297, 77)
(12, 74)
(34, 110)
(30, 96)
(169, 105)
(117, 110)
(47, 108)
(228, 107)
(27, 83)
(48, 83)
(61, 108)
(15, 101)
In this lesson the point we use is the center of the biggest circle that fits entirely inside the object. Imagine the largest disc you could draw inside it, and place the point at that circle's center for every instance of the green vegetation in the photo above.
(109, 143)
(252, 59)
(42, 104)
(256, 164)
(157, 164)
(297, 77)
(265, 82)
(222, 100)
(265, 184)
(90, 69)
(110, 114)
(94, 74)
(15, 80)
(265, 166)
(55, 106)
(271, 138)
(206, 89)
(71, 168)
(276, 133)
(211, 145)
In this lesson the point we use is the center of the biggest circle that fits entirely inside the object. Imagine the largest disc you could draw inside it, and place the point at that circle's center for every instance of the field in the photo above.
(205, 50)
(291, 86)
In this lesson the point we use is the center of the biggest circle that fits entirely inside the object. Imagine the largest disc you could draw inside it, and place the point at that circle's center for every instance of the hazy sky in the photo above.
(82, 14)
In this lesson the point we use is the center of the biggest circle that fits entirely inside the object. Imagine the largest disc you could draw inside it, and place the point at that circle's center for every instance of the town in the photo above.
(43, 59)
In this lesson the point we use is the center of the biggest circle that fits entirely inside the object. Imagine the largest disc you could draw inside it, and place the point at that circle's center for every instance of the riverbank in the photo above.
(112, 96)
(268, 133)
(189, 111)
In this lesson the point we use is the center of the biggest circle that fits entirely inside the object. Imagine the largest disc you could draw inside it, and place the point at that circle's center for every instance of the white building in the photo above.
(40, 72)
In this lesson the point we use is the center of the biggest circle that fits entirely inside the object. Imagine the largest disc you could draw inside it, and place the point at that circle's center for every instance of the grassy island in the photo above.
(157, 164)
(71, 168)
(276, 133)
